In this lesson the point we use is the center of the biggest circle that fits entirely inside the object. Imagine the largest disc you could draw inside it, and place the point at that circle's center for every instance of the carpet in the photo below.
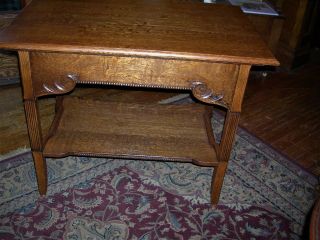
(264, 196)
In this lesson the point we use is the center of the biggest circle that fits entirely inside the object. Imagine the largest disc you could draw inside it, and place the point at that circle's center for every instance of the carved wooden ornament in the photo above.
(201, 91)
(59, 86)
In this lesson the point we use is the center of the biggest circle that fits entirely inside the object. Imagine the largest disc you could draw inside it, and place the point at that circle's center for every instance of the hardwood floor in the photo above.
(282, 109)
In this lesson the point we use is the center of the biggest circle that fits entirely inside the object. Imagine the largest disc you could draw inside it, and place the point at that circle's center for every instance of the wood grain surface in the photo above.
(314, 228)
(135, 131)
(161, 44)
(159, 28)
(50, 73)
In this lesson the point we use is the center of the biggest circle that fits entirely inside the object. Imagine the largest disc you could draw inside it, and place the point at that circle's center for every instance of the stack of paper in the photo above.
(255, 7)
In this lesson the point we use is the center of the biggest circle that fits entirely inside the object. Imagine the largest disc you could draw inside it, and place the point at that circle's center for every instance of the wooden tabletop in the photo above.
(155, 28)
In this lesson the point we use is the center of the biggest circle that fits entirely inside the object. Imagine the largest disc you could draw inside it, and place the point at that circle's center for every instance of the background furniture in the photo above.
(269, 27)
(298, 31)
(292, 35)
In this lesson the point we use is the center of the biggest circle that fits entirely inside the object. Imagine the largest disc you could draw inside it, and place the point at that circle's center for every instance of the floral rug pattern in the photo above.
(119, 205)
(95, 198)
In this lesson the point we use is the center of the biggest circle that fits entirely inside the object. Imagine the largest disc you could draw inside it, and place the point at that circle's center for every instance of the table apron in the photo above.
(52, 72)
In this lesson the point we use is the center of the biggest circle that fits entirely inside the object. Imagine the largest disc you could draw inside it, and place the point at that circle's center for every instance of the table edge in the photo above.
(270, 61)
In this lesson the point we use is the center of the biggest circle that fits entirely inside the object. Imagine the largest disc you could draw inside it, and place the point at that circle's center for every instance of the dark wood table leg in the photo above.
(217, 181)
(33, 122)
(35, 136)
(224, 150)
(41, 171)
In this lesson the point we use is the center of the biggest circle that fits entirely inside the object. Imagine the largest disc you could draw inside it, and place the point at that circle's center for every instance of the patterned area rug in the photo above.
(264, 196)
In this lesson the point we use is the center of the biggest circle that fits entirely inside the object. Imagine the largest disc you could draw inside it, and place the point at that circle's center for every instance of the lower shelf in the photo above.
(134, 131)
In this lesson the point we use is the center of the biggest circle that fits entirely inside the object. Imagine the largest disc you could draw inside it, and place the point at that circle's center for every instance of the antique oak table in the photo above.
(167, 44)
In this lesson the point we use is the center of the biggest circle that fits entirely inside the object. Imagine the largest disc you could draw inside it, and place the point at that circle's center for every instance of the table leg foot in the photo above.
(217, 181)
(41, 172)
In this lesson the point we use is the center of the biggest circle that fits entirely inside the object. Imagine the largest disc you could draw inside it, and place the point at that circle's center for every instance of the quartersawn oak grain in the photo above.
(126, 130)
(50, 69)
(159, 28)
(207, 49)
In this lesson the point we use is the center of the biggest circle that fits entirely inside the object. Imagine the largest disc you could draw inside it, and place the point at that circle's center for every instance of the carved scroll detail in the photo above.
(201, 91)
(60, 86)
